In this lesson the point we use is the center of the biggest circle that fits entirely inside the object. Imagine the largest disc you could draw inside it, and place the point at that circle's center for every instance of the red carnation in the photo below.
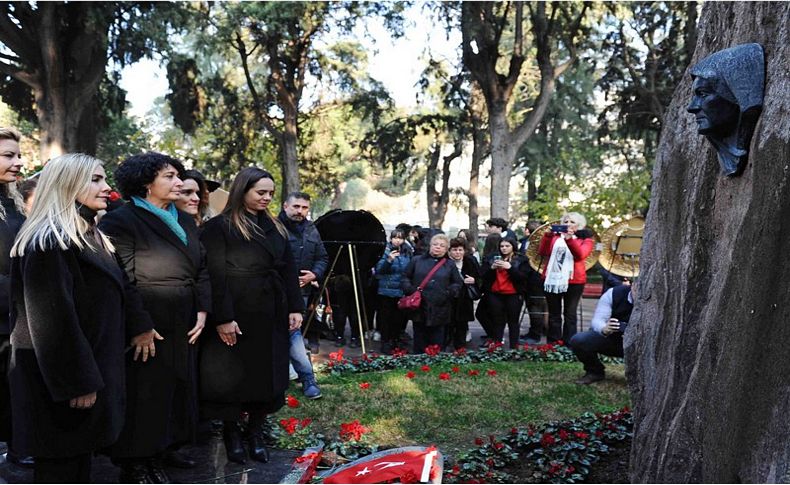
(581, 435)
(513, 431)
(456, 369)
(114, 196)
(444, 376)
(425, 368)
(563, 435)
(473, 372)
(410, 375)
(491, 372)
(352, 431)
(479, 441)
(364, 385)
(547, 440)
(306, 422)
(292, 401)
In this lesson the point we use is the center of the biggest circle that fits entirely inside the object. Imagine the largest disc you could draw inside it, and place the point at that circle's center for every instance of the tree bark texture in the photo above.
(706, 358)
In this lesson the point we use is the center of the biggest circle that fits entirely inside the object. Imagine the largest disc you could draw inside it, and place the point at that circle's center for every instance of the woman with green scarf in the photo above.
(159, 248)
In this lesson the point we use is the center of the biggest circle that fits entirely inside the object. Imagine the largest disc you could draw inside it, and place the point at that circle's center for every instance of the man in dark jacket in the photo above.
(606, 335)
(311, 261)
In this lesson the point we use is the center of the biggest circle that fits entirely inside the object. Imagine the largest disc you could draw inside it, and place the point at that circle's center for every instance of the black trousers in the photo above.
(341, 313)
(74, 469)
(563, 305)
(390, 320)
(505, 311)
(457, 333)
(587, 345)
(425, 336)
(483, 316)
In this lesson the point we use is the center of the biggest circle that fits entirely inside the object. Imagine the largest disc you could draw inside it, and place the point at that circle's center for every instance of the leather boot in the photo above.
(234, 447)
(156, 471)
(258, 450)
(134, 471)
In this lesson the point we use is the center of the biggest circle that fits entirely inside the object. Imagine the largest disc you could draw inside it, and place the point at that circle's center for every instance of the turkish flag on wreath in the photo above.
(413, 466)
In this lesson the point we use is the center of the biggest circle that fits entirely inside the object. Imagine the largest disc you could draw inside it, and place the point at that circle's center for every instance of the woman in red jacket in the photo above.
(564, 274)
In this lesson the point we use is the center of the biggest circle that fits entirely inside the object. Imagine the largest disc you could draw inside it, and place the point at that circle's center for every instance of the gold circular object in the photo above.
(621, 245)
(537, 261)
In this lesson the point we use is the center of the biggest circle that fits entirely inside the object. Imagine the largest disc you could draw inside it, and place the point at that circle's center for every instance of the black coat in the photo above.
(438, 293)
(463, 306)
(8, 230)
(518, 272)
(68, 340)
(254, 283)
(308, 250)
(173, 284)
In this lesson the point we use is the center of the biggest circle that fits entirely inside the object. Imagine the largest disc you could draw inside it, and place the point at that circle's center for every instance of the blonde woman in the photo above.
(67, 294)
(11, 219)
(257, 302)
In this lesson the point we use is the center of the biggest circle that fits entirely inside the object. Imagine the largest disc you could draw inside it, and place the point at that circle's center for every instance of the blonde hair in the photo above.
(581, 221)
(55, 218)
(443, 237)
(9, 190)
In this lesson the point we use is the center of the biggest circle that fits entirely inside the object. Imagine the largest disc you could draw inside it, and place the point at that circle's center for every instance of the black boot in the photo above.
(234, 446)
(134, 471)
(258, 450)
(156, 471)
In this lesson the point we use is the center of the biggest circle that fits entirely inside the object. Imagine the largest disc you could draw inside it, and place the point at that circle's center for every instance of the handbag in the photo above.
(473, 292)
(413, 301)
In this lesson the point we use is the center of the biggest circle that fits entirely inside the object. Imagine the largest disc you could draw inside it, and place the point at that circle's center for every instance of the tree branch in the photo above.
(262, 116)
(30, 79)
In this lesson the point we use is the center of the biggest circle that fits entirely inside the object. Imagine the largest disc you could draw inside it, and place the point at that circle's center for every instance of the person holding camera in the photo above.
(564, 249)
(606, 335)
(504, 278)
(388, 271)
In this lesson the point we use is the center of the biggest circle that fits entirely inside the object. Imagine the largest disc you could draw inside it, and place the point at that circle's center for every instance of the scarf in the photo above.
(169, 216)
(559, 269)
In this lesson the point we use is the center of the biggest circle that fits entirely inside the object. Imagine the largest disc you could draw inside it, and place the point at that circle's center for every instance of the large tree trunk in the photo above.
(503, 153)
(290, 168)
(707, 357)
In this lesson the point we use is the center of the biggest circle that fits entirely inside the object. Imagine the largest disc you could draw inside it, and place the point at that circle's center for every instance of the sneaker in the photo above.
(377, 336)
(589, 378)
(310, 389)
(354, 343)
(292, 375)
(468, 335)
(340, 341)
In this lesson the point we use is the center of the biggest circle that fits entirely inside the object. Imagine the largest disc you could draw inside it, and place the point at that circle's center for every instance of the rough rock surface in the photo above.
(707, 355)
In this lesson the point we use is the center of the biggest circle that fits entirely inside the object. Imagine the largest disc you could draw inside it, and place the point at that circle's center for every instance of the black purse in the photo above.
(473, 292)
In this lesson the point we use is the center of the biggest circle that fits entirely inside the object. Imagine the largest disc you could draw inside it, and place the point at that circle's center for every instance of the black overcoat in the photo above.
(439, 292)
(463, 306)
(254, 283)
(173, 284)
(8, 230)
(68, 340)
(518, 272)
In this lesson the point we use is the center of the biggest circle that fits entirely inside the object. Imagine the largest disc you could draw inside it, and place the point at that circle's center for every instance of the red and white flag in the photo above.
(414, 466)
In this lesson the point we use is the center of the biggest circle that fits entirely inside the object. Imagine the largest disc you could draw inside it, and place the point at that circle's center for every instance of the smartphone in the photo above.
(497, 257)
(560, 228)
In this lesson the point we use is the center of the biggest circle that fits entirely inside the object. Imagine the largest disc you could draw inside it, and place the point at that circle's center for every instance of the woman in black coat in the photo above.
(463, 310)
(256, 302)
(430, 321)
(159, 249)
(11, 220)
(68, 337)
(504, 284)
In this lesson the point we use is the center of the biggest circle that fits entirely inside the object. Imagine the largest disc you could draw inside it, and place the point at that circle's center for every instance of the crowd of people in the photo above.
(123, 323)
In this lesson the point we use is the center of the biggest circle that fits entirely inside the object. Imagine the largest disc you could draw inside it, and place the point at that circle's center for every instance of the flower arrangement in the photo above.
(557, 452)
(353, 442)
(494, 352)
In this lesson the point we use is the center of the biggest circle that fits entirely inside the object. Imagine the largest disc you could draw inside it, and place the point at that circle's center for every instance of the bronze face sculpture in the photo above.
(727, 98)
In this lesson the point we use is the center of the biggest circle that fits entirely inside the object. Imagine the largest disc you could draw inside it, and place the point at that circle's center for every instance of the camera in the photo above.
(559, 228)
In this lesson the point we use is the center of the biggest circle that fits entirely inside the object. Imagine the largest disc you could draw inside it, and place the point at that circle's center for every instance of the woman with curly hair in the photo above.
(159, 249)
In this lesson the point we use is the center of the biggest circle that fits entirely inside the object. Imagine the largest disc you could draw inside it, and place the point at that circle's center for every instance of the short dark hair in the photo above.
(459, 242)
(497, 221)
(27, 187)
(397, 233)
(137, 171)
(532, 225)
(297, 195)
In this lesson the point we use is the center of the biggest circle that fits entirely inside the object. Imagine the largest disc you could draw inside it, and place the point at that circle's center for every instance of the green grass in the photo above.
(450, 414)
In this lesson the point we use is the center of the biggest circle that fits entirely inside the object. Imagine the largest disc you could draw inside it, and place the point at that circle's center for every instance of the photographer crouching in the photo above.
(606, 335)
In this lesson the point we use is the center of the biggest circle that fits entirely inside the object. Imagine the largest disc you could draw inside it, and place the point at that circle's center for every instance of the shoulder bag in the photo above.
(413, 301)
